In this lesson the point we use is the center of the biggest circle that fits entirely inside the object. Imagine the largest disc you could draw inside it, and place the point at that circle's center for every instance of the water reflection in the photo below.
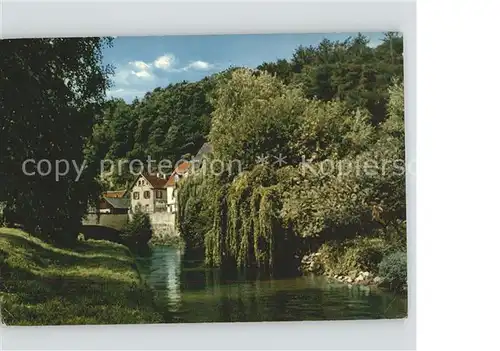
(161, 268)
(192, 293)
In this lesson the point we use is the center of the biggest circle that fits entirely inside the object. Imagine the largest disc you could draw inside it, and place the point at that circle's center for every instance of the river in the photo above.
(191, 293)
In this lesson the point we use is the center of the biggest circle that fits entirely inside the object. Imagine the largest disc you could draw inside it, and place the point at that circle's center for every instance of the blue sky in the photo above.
(144, 63)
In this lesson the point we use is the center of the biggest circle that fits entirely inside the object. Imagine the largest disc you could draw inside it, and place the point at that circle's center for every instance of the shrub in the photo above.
(393, 270)
(138, 231)
(349, 256)
(358, 254)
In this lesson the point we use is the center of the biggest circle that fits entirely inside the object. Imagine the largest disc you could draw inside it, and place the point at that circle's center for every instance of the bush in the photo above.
(393, 270)
(358, 254)
(138, 231)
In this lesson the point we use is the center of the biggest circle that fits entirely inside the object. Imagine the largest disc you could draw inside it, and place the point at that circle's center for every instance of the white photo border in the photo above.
(28, 19)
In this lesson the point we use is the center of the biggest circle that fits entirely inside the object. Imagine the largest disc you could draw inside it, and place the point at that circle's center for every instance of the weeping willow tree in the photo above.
(266, 215)
(253, 223)
(237, 221)
(196, 195)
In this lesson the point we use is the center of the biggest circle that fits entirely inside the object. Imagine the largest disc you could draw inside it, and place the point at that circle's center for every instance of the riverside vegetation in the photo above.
(269, 216)
(340, 103)
(330, 103)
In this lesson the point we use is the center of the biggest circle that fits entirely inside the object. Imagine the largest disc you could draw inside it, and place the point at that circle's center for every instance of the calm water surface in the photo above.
(192, 293)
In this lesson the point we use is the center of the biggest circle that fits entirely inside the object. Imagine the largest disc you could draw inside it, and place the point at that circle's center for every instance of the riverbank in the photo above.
(373, 261)
(313, 263)
(96, 282)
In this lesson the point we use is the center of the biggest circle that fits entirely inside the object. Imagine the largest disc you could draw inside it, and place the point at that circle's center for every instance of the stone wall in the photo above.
(163, 224)
(115, 221)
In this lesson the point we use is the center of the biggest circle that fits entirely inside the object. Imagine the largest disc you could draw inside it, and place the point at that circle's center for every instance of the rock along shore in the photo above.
(312, 264)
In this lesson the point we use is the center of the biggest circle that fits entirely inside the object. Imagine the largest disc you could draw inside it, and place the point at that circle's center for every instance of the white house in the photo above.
(156, 193)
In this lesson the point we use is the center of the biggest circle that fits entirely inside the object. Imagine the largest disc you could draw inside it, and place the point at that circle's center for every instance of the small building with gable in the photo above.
(156, 195)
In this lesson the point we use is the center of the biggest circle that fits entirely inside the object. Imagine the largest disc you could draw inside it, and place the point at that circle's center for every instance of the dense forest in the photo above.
(334, 104)
(173, 122)
(340, 102)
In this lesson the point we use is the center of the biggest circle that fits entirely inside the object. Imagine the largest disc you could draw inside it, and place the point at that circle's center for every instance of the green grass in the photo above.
(96, 282)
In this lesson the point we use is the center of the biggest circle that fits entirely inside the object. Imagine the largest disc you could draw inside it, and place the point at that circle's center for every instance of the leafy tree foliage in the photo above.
(51, 92)
(168, 123)
(352, 182)
(350, 70)
(138, 231)
(393, 269)
(257, 116)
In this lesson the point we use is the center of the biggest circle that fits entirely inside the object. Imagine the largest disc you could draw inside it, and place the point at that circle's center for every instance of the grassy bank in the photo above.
(94, 283)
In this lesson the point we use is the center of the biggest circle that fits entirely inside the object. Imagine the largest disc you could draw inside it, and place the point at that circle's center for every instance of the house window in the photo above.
(137, 208)
(159, 194)
(147, 194)
(136, 195)
(146, 208)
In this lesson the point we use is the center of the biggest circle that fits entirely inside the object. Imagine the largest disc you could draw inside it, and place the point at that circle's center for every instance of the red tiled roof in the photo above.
(171, 180)
(156, 182)
(180, 170)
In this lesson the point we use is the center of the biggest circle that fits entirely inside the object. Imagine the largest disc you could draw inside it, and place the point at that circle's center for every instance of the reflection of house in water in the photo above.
(166, 274)
(174, 279)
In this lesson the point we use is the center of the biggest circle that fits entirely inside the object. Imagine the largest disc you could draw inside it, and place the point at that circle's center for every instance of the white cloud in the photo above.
(140, 65)
(128, 94)
(135, 71)
(198, 65)
(122, 76)
(142, 74)
(135, 78)
(143, 69)
(164, 62)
